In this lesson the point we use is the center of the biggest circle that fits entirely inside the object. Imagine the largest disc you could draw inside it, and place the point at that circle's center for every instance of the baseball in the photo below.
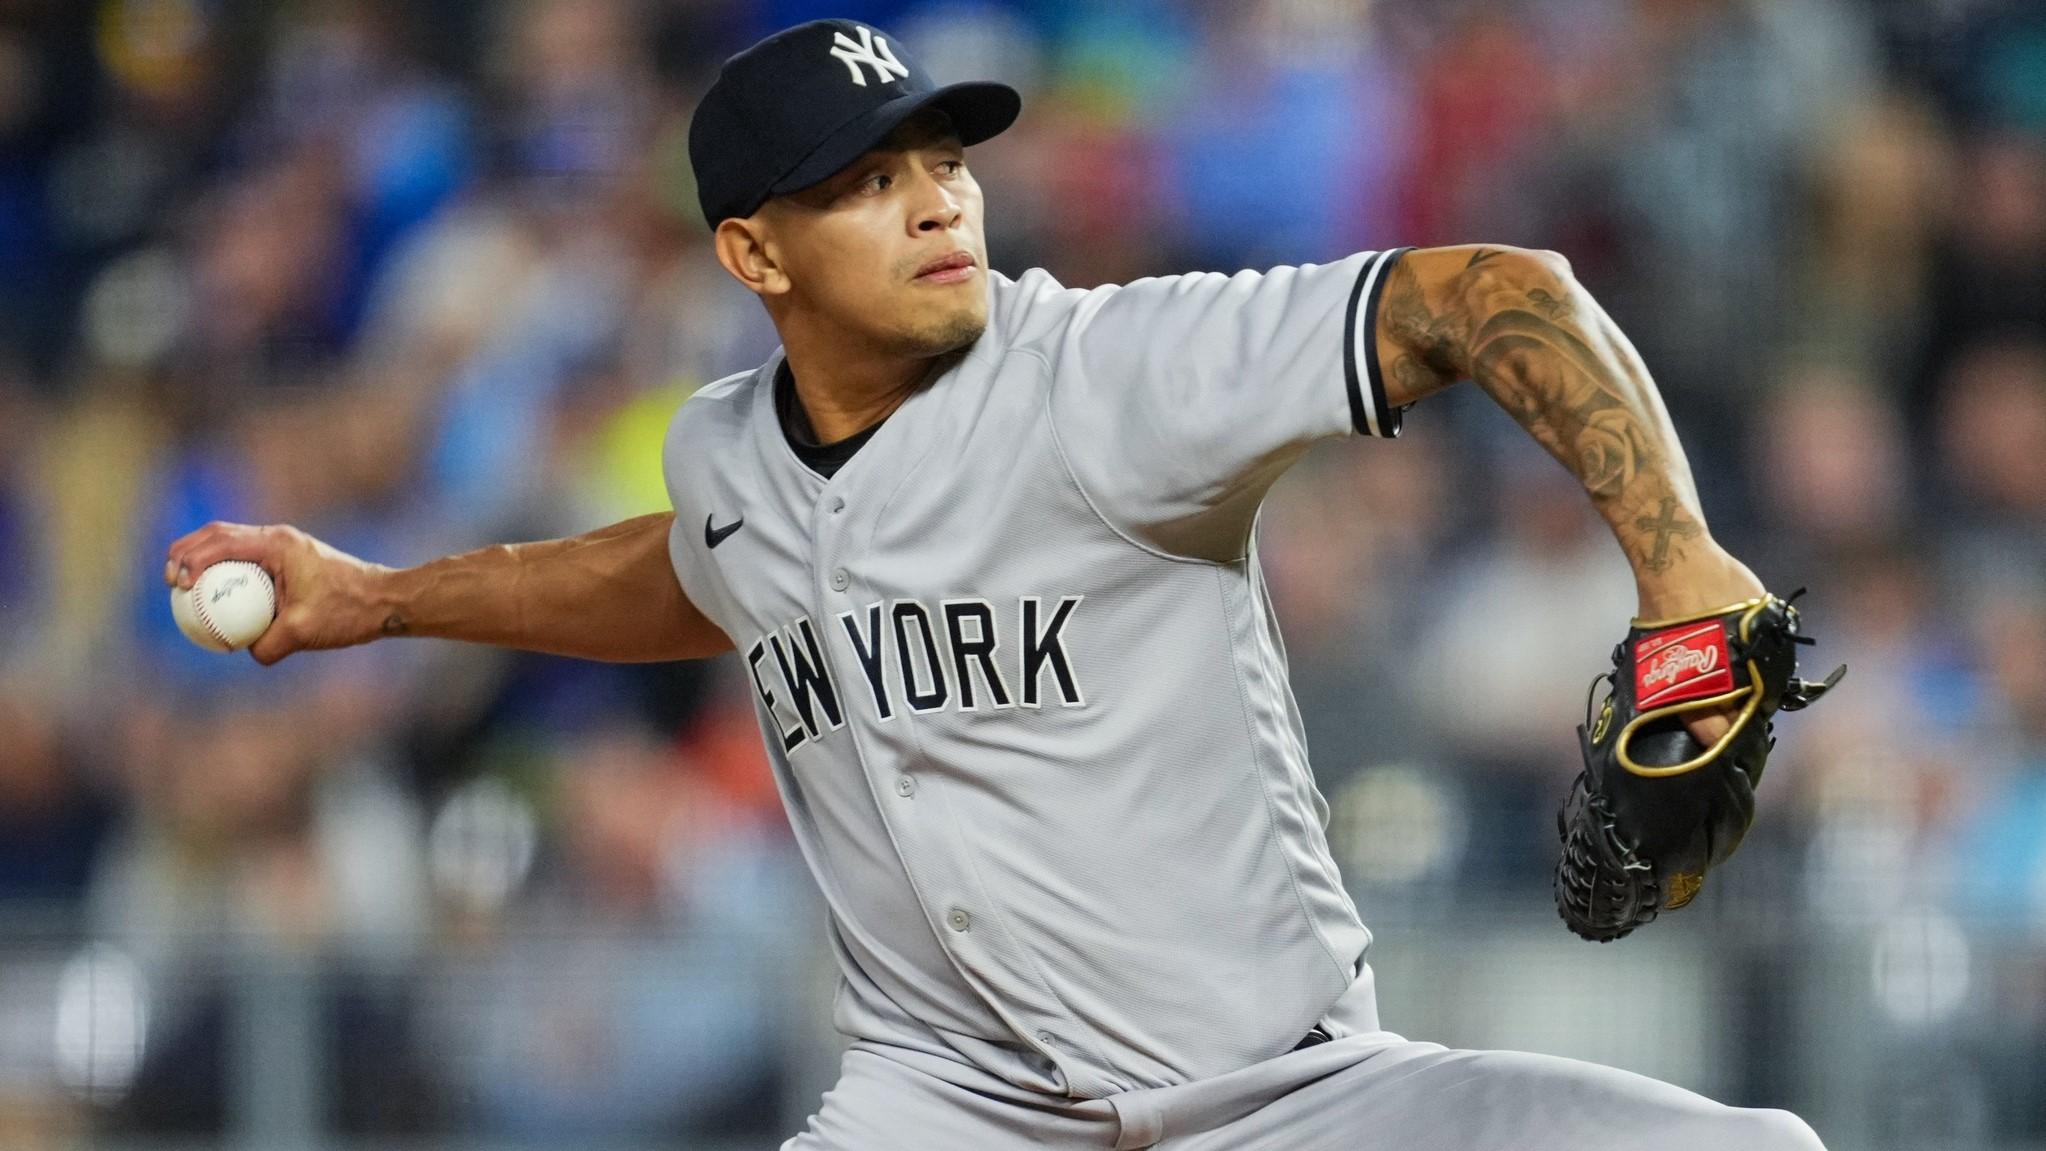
(228, 607)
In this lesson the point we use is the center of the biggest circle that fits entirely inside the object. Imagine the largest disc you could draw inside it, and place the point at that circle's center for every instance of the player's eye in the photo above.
(873, 185)
(952, 167)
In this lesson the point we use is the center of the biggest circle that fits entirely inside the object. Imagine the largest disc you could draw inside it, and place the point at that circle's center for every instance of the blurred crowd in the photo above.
(419, 275)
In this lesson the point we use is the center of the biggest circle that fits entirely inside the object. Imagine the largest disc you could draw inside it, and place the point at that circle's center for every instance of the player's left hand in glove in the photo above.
(1654, 809)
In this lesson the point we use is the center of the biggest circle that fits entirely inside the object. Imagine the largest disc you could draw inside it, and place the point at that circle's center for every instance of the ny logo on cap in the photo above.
(871, 50)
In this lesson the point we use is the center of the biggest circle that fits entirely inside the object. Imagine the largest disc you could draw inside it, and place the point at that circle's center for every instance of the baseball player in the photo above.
(985, 550)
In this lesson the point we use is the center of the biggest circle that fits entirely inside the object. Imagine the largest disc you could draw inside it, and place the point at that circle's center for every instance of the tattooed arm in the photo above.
(1518, 324)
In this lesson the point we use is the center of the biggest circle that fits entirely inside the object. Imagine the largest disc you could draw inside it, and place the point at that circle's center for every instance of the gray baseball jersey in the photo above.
(1020, 681)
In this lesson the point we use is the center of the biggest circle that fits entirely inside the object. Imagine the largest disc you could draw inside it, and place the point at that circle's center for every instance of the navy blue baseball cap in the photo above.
(796, 108)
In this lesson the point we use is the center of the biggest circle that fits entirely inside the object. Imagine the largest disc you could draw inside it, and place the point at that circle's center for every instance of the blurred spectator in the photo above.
(1485, 92)
(1511, 645)
(2000, 847)
(22, 569)
(52, 818)
(1833, 475)
(659, 1017)
(1881, 184)
(1880, 777)
(248, 838)
(1696, 161)
(1269, 166)
(1352, 540)
(344, 81)
(1991, 423)
(1516, 633)
(1989, 271)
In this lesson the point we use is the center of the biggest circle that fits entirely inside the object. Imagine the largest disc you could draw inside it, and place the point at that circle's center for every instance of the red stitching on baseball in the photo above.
(206, 618)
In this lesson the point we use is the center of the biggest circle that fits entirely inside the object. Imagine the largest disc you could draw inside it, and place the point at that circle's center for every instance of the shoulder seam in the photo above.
(727, 388)
(1065, 461)
(725, 392)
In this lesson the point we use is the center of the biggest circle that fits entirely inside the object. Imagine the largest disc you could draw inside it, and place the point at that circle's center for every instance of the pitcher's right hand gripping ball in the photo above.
(1653, 809)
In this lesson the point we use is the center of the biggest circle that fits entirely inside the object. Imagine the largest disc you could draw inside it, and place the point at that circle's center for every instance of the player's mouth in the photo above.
(953, 268)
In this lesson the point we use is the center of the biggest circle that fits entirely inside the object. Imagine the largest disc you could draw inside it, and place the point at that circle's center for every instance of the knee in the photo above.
(1766, 1130)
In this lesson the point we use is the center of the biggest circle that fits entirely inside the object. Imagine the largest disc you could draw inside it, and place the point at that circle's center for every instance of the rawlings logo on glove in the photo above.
(1681, 663)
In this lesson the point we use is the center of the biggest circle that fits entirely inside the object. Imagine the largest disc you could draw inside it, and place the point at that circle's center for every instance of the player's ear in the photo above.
(744, 248)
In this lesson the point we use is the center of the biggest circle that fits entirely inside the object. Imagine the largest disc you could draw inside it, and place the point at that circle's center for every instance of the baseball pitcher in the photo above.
(984, 548)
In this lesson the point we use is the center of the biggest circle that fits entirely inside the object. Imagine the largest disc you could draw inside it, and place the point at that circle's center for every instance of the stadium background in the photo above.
(418, 276)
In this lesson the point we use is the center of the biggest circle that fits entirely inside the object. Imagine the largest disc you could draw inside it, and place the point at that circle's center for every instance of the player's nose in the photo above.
(934, 207)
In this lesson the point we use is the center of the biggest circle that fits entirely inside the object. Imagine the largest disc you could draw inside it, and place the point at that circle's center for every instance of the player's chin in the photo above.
(938, 329)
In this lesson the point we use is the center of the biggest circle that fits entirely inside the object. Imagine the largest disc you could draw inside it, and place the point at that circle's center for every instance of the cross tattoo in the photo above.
(1662, 526)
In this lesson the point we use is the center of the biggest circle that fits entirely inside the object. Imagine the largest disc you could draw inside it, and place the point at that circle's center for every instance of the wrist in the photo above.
(382, 595)
(1708, 578)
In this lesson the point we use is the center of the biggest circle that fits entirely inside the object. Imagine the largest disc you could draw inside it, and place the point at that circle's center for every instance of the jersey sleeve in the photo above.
(1178, 401)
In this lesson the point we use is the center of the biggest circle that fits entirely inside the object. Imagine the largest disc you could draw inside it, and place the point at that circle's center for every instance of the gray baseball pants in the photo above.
(1369, 1092)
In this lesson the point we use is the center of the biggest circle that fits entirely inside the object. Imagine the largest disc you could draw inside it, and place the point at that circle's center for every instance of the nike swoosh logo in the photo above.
(712, 537)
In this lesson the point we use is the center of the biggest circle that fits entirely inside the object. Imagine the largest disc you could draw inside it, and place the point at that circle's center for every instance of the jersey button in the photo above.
(959, 920)
(839, 580)
(905, 785)
(837, 504)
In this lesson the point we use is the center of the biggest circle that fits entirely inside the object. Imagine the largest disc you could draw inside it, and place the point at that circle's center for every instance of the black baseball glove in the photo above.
(1653, 809)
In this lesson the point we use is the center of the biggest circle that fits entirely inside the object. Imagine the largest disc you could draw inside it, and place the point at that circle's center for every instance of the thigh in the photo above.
(1424, 1097)
(879, 1104)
